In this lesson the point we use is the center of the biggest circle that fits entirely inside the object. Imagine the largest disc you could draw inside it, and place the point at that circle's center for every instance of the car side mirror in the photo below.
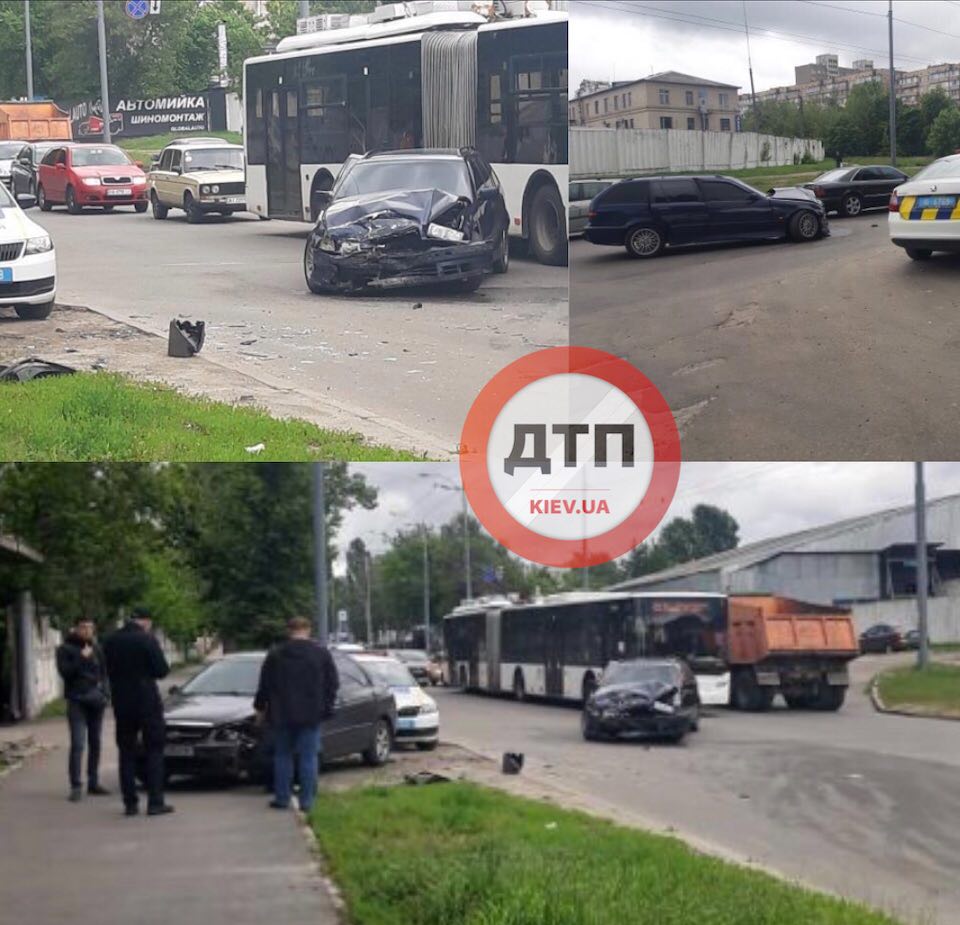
(174, 690)
(26, 201)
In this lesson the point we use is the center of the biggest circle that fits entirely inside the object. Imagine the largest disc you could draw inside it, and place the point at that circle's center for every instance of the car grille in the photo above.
(231, 189)
(117, 181)
(408, 711)
(187, 733)
(10, 252)
(27, 287)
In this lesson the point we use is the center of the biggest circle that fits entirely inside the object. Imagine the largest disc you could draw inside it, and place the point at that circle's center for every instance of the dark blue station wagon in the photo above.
(648, 214)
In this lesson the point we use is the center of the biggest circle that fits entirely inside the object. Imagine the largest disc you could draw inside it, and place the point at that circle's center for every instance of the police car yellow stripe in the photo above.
(906, 206)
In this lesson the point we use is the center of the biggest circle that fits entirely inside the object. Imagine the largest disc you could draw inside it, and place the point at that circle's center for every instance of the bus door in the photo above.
(284, 196)
(553, 654)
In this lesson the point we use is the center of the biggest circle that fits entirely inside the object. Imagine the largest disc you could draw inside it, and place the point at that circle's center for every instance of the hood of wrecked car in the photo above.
(636, 694)
(381, 215)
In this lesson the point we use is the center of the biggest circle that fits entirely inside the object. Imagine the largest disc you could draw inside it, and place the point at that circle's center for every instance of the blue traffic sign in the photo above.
(137, 9)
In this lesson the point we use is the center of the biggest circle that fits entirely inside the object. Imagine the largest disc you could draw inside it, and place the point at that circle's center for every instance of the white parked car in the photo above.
(28, 264)
(925, 211)
(418, 717)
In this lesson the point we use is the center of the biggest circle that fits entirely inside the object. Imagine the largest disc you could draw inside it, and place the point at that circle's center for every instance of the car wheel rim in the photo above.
(383, 743)
(646, 241)
(308, 262)
(853, 206)
(808, 226)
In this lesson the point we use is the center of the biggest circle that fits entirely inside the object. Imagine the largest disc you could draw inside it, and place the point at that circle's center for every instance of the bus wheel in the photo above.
(519, 688)
(548, 227)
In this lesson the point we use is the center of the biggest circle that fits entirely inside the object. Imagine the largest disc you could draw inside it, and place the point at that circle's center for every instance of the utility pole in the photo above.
(426, 589)
(26, 17)
(923, 655)
(466, 544)
(104, 90)
(321, 625)
(304, 8)
(753, 93)
(366, 608)
(893, 93)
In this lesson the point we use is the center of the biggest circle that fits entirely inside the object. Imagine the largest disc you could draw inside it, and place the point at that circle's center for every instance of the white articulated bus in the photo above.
(558, 647)
(440, 80)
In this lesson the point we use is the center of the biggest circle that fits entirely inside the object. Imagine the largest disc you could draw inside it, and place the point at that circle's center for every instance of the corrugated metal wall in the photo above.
(607, 152)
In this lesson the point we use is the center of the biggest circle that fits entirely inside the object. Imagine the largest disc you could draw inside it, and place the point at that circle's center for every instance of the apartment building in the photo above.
(668, 100)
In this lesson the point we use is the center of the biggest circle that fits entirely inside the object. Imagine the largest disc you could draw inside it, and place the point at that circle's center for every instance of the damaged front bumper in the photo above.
(384, 268)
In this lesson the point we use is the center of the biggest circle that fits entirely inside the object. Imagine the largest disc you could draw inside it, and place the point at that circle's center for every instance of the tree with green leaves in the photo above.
(944, 136)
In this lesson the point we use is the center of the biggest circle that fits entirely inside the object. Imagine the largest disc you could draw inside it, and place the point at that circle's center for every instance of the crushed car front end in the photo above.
(648, 709)
(405, 238)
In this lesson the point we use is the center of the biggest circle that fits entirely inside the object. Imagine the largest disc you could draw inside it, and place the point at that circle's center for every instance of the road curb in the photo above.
(881, 707)
(326, 881)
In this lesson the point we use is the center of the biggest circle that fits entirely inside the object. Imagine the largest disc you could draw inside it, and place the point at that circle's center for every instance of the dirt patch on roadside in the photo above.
(86, 340)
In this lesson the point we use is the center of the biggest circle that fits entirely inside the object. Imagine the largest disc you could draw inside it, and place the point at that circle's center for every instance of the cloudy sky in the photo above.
(626, 39)
(766, 498)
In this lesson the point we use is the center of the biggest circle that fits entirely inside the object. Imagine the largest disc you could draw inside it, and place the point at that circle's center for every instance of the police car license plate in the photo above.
(178, 751)
(6, 274)
(119, 192)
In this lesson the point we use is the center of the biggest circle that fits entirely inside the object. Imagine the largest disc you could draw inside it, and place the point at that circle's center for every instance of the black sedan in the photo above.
(211, 729)
(881, 637)
(649, 214)
(23, 169)
(850, 190)
(643, 697)
(409, 218)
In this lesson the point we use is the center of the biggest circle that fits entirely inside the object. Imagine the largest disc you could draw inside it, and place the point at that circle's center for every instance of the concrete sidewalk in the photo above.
(222, 857)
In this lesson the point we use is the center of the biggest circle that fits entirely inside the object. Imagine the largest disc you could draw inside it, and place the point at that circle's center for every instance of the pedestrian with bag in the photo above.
(81, 665)
(135, 662)
(297, 691)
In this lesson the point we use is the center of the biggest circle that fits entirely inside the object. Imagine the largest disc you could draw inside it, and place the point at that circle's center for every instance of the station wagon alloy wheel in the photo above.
(645, 242)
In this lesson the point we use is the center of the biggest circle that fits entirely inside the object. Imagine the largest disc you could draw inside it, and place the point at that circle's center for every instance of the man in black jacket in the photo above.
(297, 690)
(81, 665)
(135, 663)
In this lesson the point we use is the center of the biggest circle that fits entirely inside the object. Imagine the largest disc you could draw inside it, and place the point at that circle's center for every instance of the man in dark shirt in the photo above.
(83, 669)
(297, 690)
(135, 662)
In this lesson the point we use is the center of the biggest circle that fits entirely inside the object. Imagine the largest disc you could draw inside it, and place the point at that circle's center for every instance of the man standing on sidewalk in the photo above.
(81, 665)
(297, 690)
(135, 662)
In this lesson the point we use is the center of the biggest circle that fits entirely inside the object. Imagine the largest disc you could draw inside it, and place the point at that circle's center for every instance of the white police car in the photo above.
(28, 264)
(418, 717)
(925, 211)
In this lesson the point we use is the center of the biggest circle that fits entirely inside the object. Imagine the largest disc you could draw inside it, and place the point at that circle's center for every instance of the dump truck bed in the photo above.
(37, 121)
(762, 627)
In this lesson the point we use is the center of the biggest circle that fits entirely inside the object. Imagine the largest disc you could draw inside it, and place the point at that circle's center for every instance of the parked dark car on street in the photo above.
(643, 697)
(23, 170)
(211, 728)
(649, 214)
(409, 218)
(851, 190)
(881, 637)
(911, 639)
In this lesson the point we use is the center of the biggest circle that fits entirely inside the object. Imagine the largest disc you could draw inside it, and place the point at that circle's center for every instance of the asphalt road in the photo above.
(839, 349)
(857, 803)
(414, 358)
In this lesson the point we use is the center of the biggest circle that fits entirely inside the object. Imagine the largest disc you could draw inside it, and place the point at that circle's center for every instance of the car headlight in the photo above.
(91, 181)
(350, 247)
(38, 245)
(139, 181)
(229, 733)
(204, 190)
(428, 708)
(216, 189)
(327, 244)
(442, 233)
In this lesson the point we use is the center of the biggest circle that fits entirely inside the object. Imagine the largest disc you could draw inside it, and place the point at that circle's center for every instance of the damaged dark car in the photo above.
(643, 698)
(409, 218)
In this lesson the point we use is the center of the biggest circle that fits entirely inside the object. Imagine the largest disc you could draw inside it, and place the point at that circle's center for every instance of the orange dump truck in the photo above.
(779, 645)
(34, 122)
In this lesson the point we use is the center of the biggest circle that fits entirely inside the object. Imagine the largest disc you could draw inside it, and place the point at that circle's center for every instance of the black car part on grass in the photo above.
(186, 338)
(400, 238)
(33, 368)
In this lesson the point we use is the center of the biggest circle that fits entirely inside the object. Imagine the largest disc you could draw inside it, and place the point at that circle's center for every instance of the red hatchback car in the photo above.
(80, 175)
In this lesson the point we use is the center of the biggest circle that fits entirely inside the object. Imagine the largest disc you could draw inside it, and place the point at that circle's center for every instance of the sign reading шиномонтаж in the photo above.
(129, 117)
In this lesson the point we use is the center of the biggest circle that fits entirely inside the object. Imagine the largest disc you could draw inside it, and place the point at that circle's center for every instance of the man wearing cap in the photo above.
(135, 662)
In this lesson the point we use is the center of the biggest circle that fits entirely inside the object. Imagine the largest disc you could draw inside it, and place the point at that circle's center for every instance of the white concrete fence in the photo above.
(608, 152)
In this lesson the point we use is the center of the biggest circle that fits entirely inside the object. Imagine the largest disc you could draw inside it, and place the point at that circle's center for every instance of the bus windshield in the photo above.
(406, 173)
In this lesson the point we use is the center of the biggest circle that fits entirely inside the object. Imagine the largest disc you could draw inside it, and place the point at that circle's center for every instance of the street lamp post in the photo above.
(104, 90)
(923, 654)
(448, 485)
(26, 17)
(320, 553)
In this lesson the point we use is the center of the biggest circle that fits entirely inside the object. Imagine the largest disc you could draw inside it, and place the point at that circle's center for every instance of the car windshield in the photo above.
(834, 176)
(212, 159)
(390, 673)
(635, 672)
(9, 149)
(6, 200)
(99, 157)
(236, 676)
(406, 174)
(946, 167)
